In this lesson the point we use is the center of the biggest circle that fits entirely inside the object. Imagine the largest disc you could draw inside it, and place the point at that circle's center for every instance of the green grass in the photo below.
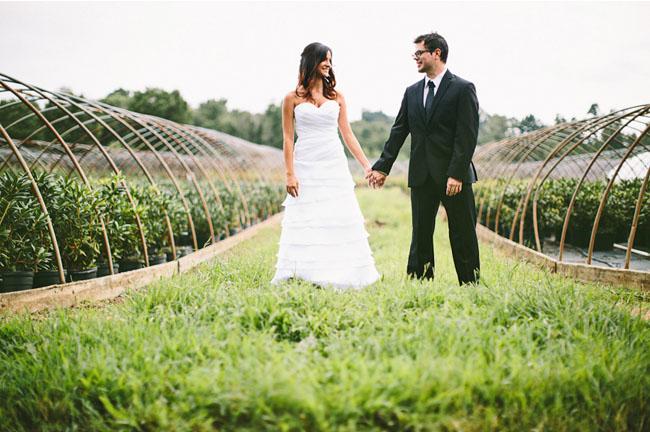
(219, 348)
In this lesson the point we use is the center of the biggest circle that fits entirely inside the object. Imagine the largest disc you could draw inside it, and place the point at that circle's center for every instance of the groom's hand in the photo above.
(453, 186)
(377, 179)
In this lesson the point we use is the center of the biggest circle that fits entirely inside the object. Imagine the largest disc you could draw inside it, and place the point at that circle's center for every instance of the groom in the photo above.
(441, 114)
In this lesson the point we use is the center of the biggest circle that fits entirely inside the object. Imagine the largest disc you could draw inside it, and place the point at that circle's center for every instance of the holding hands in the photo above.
(375, 179)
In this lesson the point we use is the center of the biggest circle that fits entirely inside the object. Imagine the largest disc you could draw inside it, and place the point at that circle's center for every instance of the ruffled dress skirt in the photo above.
(323, 237)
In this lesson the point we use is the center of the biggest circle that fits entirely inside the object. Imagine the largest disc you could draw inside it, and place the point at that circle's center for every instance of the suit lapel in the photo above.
(444, 85)
(419, 98)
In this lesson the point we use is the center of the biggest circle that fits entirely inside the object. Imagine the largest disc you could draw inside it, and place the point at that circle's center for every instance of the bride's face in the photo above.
(325, 66)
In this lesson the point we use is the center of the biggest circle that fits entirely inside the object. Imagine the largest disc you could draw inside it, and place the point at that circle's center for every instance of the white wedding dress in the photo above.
(323, 238)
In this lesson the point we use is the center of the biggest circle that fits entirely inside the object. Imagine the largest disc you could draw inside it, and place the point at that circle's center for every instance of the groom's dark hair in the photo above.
(433, 41)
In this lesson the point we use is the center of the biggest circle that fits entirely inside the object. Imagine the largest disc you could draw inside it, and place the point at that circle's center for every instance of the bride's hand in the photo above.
(292, 185)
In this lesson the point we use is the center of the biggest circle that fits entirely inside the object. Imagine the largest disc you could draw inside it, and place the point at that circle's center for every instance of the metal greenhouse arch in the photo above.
(203, 185)
(578, 186)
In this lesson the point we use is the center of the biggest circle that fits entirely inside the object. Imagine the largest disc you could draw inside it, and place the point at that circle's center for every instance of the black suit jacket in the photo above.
(442, 144)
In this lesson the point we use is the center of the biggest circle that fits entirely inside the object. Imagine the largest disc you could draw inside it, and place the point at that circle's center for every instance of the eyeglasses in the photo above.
(418, 53)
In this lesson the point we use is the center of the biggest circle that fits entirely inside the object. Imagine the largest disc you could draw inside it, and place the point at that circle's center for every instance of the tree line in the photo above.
(372, 129)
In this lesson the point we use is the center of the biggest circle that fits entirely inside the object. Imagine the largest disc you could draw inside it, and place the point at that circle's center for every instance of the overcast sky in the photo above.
(540, 58)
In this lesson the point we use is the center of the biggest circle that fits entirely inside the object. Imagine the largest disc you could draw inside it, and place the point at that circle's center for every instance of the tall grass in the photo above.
(219, 348)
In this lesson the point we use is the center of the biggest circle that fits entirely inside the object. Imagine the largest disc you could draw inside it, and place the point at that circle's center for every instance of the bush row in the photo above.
(553, 201)
(77, 212)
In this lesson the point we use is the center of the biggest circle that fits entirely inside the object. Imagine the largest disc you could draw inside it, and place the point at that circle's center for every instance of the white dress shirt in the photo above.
(436, 82)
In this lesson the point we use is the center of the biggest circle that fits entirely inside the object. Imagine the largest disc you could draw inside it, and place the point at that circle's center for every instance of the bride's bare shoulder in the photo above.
(291, 98)
(339, 97)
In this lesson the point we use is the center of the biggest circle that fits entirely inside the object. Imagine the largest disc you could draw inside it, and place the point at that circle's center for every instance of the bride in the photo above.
(323, 237)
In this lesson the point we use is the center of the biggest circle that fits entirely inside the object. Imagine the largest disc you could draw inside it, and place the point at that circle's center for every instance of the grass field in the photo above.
(219, 348)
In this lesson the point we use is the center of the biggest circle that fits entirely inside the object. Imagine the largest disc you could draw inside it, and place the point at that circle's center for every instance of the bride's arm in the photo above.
(350, 140)
(287, 146)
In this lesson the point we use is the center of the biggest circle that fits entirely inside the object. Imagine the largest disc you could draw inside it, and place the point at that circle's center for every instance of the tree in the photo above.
(161, 103)
(559, 119)
(529, 124)
(271, 127)
(119, 98)
(594, 109)
(494, 127)
(372, 132)
(210, 114)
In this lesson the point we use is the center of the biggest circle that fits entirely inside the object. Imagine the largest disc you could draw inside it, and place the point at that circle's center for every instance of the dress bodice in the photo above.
(317, 121)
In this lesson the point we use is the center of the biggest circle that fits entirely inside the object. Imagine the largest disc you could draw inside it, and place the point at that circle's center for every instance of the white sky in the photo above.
(540, 58)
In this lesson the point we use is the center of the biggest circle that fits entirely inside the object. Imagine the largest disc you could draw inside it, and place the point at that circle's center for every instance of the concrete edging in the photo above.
(108, 287)
(579, 271)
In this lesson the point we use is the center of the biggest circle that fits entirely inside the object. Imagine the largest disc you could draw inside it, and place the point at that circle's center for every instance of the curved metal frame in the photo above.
(558, 151)
(185, 156)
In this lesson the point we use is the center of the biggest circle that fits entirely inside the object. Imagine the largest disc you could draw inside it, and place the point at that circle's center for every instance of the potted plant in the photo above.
(178, 219)
(553, 201)
(78, 227)
(118, 217)
(623, 199)
(46, 270)
(584, 213)
(20, 218)
(131, 254)
(154, 204)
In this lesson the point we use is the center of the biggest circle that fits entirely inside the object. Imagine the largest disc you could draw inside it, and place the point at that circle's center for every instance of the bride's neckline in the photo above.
(314, 105)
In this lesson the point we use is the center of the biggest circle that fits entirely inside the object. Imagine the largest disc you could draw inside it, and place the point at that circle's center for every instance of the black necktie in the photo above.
(428, 105)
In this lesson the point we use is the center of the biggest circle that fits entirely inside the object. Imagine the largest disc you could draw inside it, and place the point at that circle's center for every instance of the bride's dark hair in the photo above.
(311, 57)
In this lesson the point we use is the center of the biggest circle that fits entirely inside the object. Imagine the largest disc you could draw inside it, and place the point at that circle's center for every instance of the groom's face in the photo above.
(425, 62)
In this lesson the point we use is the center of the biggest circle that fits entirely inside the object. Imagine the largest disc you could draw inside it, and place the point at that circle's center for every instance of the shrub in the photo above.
(21, 218)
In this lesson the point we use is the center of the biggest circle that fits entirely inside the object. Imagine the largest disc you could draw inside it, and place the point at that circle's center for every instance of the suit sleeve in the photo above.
(398, 134)
(467, 121)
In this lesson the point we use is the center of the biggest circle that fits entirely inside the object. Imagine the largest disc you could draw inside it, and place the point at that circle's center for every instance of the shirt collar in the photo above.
(436, 80)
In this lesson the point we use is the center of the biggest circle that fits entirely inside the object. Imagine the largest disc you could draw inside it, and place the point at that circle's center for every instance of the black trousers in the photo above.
(461, 215)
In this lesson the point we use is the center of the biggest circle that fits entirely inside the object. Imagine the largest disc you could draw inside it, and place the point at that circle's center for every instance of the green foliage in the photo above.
(19, 121)
(220, 349)
(118, 215)
(529, 124)
(594, 109)
(263, 128)
(76, 224)
(21, 218)
(494, 127)
(373, 130)
(553, 201)
(153, 205)
(119, 98)
(154, 101)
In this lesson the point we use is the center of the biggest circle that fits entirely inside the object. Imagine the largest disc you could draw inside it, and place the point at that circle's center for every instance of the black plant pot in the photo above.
(183, 251)
(157, 259)
(47, 278)
(642, 237)
(580, 238)
(17, 281)
(102, 269)
(80, 275)
(128, 265)
(185, 239)
(604, 241)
